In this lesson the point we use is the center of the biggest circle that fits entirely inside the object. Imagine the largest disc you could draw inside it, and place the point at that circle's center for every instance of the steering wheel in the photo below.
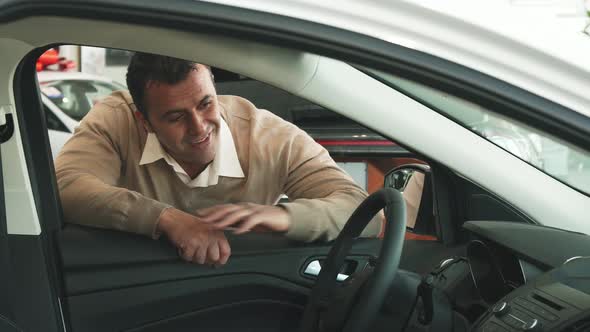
(367, 290)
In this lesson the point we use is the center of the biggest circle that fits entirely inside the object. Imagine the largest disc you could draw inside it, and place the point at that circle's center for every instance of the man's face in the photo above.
(185, 117)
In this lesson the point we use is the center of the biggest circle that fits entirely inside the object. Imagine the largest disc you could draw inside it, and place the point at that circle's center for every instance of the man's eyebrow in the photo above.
(182, 110)
(171, 112)
(204, 100)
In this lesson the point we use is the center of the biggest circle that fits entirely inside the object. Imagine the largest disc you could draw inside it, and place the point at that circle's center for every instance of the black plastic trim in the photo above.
(7, 325)
(7, 130)
(36, 141)
(97, 260)
(32, 291)
(253, 313)
(43, 183)
(139, 307)
(510, 235)
(6, 288)
(444, 204)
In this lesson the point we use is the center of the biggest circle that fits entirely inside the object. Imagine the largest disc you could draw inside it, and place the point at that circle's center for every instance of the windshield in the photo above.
(76, 97)
(559, 159)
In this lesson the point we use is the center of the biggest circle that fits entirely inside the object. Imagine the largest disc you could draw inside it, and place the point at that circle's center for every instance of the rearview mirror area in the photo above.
(399, 178)
(414, 181)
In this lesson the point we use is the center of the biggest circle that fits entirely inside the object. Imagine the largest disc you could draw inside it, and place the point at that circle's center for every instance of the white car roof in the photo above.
(528, 53)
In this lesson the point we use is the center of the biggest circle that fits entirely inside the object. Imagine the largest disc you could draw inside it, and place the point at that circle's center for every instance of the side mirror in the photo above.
(414, 181)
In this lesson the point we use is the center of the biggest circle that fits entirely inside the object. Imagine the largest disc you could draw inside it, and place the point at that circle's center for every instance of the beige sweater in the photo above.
(101, 183)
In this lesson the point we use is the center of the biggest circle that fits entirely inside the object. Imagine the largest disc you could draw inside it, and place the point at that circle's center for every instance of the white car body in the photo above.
(537, 69)
(518, 51)
(58, 138)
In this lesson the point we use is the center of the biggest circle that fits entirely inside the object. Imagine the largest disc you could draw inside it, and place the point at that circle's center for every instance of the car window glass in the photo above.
(551, 155)
(357, 150)
(363, 154)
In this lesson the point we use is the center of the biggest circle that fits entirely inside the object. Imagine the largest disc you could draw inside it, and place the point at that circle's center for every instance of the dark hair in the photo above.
(145, 67)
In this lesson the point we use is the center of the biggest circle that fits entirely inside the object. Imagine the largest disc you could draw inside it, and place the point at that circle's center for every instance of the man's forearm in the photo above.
(89, 201)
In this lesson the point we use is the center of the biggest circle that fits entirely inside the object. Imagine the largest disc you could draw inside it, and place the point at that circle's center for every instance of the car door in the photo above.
(97, 280)
(117, 281)
(31, 291)
(101, 280)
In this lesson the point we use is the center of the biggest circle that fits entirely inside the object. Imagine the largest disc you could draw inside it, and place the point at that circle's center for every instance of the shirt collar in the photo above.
(225, 163)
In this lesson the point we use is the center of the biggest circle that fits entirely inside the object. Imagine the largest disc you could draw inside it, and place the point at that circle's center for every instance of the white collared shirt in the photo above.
(225, 163)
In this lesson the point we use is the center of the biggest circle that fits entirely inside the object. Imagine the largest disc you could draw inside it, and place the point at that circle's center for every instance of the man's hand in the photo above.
(246, 217)
(196, 241)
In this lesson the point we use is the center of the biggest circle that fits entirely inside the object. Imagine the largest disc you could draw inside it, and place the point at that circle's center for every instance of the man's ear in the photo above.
(146, 124)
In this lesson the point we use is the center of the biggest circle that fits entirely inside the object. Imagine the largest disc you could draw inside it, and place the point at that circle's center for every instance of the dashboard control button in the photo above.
(501, 308)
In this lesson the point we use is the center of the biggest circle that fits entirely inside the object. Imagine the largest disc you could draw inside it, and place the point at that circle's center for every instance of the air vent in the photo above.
(547, 302)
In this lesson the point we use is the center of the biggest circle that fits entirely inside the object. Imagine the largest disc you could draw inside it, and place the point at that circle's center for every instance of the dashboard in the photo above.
(532, 278)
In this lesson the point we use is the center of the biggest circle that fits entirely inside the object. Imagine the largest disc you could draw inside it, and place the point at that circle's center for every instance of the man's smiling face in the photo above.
(185, 117)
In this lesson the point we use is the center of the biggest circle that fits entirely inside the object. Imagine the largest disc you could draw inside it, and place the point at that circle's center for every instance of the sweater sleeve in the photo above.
(322, 195)
(88, 171)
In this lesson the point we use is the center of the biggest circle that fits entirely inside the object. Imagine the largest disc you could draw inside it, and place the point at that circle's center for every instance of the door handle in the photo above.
(314, 268)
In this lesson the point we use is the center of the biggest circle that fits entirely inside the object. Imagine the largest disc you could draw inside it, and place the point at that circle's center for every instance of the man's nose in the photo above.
(196, 123)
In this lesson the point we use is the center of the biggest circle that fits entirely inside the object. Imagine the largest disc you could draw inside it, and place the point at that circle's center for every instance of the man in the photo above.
(174, 158)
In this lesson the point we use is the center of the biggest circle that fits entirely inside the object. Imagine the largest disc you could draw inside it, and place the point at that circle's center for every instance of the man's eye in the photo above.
(175, 118)
(205, 105)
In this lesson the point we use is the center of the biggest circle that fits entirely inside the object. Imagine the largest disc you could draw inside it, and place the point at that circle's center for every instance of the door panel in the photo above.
(246, 316)
(190, 302)
(119, 281)
(26, 285)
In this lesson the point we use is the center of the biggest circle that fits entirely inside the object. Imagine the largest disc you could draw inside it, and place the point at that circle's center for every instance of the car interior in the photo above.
(489, 268)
